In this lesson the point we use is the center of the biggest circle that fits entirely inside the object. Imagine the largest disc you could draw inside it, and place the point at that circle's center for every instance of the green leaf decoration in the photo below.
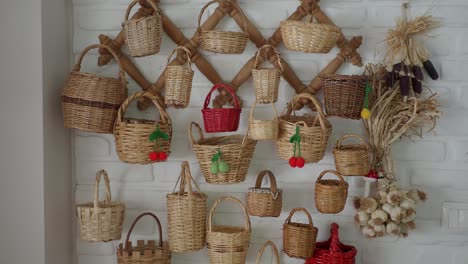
(293, 139)
(216, 156)
(153, 136)
(158, 133)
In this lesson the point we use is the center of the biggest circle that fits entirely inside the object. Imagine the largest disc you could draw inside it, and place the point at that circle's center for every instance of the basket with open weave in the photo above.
(260, 129)
(178, 81)
(274, 249)
(298, 238)
(263, 201)
(352, 159)
(330, 195)
(266, 80)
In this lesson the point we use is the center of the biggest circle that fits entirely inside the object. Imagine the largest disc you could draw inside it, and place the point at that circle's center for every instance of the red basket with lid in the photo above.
(333, 251)
(221, 119)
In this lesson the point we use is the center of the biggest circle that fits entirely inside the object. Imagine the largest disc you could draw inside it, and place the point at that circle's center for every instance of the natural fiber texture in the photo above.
(224, 42)
(263, 129)
(132, 135)
(91, 102)
(143, 35)
(344, 94)
(221, 119)
(299, 239)
(186, 215)
(273, 248)
(179, 81)
(144, 252)
(265, 201)
(237, 153)
(330, 195)
(228, 244)
(101, 221)
(266, 81)
(352, 160)
(314, 131)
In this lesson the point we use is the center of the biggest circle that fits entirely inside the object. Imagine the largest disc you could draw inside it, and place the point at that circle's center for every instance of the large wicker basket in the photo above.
(344, 94)
(143, 35)
(224, 42)
(144, 252)
(266, 81)
(273, 248)
(237, 153)
(227, 244)
(352, 159)
(178, 81)
(263, 129)
(330, 195)
(298, 238)
(186, 215)
(101, 221)
(132, 135)
(314, 131)
(265, 202)
(221, 119)
(91, 102)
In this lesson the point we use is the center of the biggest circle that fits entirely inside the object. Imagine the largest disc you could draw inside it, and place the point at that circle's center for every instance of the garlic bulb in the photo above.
(381, 196)
(407, 204)
(368, 205)
(393, 228)
(410, 215)
(387, 207)
(397, 214)
(361, 218)
(380, 216)
(416, 195)
(368, 231)
(379, 230)
(394, 197)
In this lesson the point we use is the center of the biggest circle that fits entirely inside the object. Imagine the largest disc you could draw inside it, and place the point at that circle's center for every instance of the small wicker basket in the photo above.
(186, 215)
(330, 195)
(143, 35)
(228, 244)
(91, 102)
(266, 81)
(101, 221)
(274, 249)
(299, 239)
(224, 42)
(265, 202)
(263, 129)
(221, 119)
(178, 81)
(132, 135)
(144, 252)
(352, 160)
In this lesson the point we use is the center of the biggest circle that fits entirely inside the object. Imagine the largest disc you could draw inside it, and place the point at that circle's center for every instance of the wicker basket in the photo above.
(186, 215)
(330, 195)
(314, 132)
(178, 81)
(299, 239)
(91, 102)
(265, 201)
(143, 35)
(132, 135)
(333, 251)
(344, 94)
(228, 244)
(101, 221)
(266, 81)
(274, 249)
(263, 129)
(352, 160)
(237, 153)
(221, 119)
(144, 253)
(224, 42)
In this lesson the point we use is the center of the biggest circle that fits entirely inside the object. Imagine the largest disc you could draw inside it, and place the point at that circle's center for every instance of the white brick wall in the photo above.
(437, 163)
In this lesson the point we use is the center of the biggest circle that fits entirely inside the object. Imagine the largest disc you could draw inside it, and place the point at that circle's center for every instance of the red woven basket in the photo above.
(221, 119)
(333, 251)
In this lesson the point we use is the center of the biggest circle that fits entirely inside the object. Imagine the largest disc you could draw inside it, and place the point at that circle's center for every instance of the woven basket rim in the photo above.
(266, 69)
(186, 195)
(224, 32)
(351, 148)
(136, 20)
(328, 183)
(344, 76)
(264, 189)
(297, 225)
(219, 141)
(309, 119)
(91, 75)
(102, 205)
(231, 230)
(318, 26)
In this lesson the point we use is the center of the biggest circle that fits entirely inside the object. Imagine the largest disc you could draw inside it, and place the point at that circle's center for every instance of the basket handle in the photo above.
(190, 131)
(278, 57)
(340, 141)
(335, 238)
(253, 107)
(293, 211)
(108, 199)
(318, 106)
(342, 181)
(218, 1)
(132, 4)
(232, 199)
(187, 52)
(273, 247)
(135, 222)
(225, 86)
(261, 175)
(164, 116)
(186, 178)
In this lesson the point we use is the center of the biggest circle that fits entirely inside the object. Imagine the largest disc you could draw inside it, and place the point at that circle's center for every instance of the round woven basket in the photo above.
(186, 215)
(330, 195)
(224, 42)
(221, 119)
(273, 248)
(314, 131)
(227, 244)
(352, 159)
(298, 238)
(91, 102)
(144, 251)
(266, 81)
(344, 94)
(178, 81)
(263, 129)
(101, 221)
(132, 135)
(143, 35)
(237, 153)
(265, 201)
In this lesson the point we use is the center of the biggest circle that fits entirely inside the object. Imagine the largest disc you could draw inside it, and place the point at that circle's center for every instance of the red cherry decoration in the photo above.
(153, 156)
(372, 174)
(162, 156)
(293, 162)
(300, 162)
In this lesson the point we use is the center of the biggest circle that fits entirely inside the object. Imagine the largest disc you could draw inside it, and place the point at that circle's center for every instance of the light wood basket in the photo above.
(179, 81)
(352, 159)
(266, 81)
(298, 238)
(330, 195)
(265, 202)
(263, 129)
